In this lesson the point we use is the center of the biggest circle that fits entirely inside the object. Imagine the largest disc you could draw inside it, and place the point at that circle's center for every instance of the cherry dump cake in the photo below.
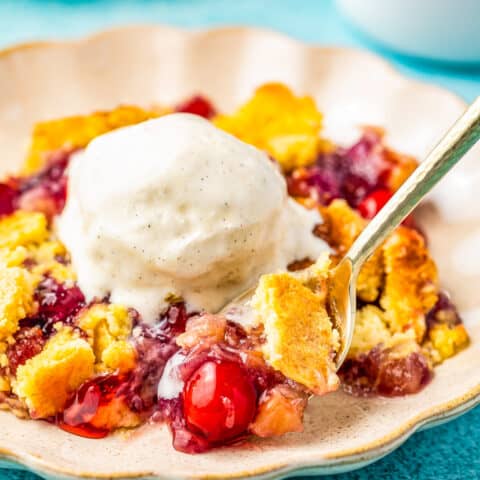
(128, 231)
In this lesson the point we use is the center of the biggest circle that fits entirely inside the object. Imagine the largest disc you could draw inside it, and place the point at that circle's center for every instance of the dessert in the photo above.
(128, 232)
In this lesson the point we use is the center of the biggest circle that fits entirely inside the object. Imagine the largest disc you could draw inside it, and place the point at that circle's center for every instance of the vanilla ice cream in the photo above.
(176, 206)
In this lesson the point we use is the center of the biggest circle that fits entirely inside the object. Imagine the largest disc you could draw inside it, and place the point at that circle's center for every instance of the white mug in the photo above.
(447, 30)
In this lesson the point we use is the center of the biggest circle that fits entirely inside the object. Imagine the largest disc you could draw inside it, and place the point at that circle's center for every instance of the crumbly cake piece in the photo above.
(45, 261)
(401, 167)
(411, 281)
(77, 131)
(446, 340)
(108, 327)
(275, 120)
(371, 278)
(46, 380)
(372, 329)
(446, 334)
(16, 299)
(22, 228)
(25, 238)
(341, 225)
(300, 339)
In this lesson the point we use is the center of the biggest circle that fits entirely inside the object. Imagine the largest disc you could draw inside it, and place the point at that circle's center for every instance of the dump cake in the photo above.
(128, 231)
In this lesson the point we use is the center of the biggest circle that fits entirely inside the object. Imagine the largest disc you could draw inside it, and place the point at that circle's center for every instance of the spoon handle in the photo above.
(458, 140)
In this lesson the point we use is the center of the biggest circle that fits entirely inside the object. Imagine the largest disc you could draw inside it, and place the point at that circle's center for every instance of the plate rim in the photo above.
(342, 461)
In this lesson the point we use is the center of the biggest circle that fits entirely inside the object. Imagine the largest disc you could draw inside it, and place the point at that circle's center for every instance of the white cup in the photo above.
(446, 30)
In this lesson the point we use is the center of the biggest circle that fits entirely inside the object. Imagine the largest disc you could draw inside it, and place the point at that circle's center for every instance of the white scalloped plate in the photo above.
(142, 65)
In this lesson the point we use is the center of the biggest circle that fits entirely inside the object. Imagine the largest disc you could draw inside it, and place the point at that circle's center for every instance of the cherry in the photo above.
(374, 202)
(8, 195)
(197, 105)
(219, 401)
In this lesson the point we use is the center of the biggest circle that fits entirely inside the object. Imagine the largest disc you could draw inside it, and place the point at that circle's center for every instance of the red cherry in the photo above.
(374, 202)
(219, 401)
(197, 105)
(8, 196)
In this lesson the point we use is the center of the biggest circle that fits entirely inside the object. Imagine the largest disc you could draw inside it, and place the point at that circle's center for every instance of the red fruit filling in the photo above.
(173, 321)
(56, 303)
(380, 373)
(136, 390)
(8, 196)
(444, 311)
(44, 192)
(155, 344)
(219, 401)
(183, 439)
(350, 174)
(197, 105)
(80, 416)
(376, 200)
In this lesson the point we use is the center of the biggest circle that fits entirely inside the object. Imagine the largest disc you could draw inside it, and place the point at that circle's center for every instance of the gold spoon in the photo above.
(453, 146)
(342, 295)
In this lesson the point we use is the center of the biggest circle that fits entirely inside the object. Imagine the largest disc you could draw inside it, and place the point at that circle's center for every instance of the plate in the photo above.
(144, 65)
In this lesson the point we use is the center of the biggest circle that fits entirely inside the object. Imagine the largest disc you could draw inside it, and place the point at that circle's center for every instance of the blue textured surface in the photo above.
(448, 452)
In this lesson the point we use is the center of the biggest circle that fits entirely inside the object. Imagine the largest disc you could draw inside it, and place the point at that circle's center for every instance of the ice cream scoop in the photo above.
(174, 207)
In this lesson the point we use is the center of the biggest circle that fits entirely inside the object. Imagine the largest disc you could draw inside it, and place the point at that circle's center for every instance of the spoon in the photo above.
(343, 278)
(342, 296)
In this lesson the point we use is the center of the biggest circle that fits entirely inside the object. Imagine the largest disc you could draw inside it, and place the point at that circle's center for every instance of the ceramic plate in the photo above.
(143, 65)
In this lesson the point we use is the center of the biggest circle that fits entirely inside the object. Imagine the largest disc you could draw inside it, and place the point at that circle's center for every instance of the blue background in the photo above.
(448, 452)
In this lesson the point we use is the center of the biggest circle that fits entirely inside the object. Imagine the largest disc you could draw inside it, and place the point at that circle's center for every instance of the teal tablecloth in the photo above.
(444, 453)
